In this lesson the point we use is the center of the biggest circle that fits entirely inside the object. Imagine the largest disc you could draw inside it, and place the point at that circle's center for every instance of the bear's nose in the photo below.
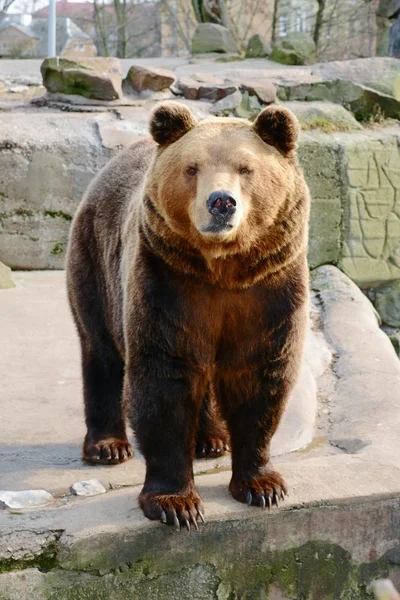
(221, 204)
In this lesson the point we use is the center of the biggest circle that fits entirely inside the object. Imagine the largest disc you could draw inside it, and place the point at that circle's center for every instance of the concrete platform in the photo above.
(339, 528)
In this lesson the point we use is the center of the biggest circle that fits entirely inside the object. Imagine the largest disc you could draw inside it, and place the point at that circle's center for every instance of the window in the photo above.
(76, 47)
(282, 25)
(83, 47)
(299, 21)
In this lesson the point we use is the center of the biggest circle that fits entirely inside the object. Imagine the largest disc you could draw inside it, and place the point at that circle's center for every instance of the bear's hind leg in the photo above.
(212, 437)
(105, 440)
(102, 364)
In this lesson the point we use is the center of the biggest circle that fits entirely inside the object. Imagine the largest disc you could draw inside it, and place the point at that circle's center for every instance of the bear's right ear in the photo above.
(169, 122)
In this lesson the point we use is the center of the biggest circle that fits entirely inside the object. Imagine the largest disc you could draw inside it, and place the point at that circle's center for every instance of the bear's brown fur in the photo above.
(188, 281)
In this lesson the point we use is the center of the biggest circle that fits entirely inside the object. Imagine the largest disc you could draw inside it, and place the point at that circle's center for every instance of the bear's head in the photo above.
(222, 182)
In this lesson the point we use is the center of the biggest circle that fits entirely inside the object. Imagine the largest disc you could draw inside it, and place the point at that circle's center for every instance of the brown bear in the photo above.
(188, 282)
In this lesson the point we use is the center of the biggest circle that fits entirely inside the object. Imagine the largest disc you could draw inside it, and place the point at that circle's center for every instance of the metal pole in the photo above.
(52, 28)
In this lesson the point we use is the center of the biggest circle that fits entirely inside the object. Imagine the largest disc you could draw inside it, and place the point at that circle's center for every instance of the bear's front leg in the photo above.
(253, 410)
(165, 395)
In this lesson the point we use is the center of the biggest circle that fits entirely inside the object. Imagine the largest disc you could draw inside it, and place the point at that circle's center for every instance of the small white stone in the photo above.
(18, 89)
(25, 499)
(91, 487)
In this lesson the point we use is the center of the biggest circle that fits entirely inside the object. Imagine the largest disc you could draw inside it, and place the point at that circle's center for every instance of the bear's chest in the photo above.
(214, 325)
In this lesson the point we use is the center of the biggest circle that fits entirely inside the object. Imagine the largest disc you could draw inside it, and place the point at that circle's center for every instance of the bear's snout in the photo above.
(221, 204)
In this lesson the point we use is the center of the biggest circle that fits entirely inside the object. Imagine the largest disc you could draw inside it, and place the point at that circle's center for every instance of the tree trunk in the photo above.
(274, 20)
(100, 30)
(120, 14)
(319, 21)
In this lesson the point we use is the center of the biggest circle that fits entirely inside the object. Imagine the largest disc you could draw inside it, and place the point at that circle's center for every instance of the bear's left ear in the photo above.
(169, 122)
(278, 127)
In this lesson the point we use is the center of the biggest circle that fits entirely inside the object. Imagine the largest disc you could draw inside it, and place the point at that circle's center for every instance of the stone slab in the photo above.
(341, 519)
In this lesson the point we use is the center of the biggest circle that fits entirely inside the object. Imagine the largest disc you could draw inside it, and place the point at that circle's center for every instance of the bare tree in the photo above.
(319, 20)
(101, 28)
(4, 6)
(345, 29)
(212, 11)
(274, 20)
(120, 9)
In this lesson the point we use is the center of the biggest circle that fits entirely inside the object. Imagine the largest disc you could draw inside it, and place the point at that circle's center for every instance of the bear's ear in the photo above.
(169, 122)
(278, 127)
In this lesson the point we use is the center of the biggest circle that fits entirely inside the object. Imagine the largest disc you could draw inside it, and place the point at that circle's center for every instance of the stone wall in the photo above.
(47, 161)
(354, 181)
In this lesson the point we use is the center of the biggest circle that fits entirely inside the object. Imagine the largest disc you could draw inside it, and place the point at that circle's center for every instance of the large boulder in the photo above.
(226, 106)
(364, 102)
(294, 49)
(386, 299)
(6, 280)
(379, 73)
(257, 47)
(209, 37)
(149, 78)
(264, 90)
(326, 116)
(198, 87)
(95, 78)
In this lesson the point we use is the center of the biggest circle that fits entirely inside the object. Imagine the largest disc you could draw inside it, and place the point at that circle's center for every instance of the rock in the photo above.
(325, 116)
(294, 49)
(149, 78)
(6, 280)
(249, 107)
(322, 168)
(384, 590)
(386, 299)
(394, 39)
(208, 90)
(365, 103)
(378, 73)
(46, 163)
(257, 47)
(370, 241)
(209, 37)
(121, 133)
(96, 78)
(226, 105)
(265, 91)
(91, 487)
(393, 334)
(25, 499)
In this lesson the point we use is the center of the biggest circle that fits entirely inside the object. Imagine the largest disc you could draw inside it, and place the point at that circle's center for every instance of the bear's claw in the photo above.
(264, 490)
(107, 451)
(211, 448)
(264, 499)
(175, 509)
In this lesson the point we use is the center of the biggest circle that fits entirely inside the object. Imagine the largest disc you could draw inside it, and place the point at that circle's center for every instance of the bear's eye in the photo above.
(244, 171)
(191, 171)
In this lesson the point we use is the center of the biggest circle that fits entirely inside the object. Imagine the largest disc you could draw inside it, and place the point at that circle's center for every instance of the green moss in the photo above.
(57, 214)
(58, 249)
(45, 561)
(227, 59)
(324, 125)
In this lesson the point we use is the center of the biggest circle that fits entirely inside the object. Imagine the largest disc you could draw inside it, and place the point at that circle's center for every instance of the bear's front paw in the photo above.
(261, 490)
(107, 451)
(182, 509)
